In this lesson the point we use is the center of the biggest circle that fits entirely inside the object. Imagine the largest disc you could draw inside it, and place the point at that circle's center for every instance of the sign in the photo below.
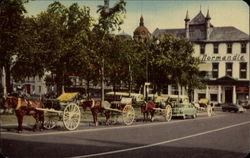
(147, 83)
(237, 57)
(242, 89)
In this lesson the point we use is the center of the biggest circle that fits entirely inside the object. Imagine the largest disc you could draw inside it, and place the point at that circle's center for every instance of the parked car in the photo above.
(232, 107)
(184, 110)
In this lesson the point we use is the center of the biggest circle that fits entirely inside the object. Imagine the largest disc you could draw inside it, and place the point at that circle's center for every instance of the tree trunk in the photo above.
(9, 86)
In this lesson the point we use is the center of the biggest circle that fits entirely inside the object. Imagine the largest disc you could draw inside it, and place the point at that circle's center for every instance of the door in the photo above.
(229, 95)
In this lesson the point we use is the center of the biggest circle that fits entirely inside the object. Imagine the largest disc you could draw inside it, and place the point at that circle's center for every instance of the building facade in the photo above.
(32, 85)
(224, 51)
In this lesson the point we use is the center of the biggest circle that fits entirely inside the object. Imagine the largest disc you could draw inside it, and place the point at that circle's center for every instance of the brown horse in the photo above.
(148, 108)
(23, 107)
(95, 107)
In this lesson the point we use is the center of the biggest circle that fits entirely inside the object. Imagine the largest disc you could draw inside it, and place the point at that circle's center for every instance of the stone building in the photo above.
(225, 52)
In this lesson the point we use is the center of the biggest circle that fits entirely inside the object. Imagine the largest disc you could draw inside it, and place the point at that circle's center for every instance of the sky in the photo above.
(164, 14)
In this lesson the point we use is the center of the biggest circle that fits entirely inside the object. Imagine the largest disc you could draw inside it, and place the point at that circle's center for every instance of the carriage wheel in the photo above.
(71, 116)
(128, 114)
(167, 113)
(50, 120)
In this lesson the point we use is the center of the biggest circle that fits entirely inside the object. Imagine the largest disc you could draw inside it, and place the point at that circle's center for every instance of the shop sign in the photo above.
(237, 57)
(242, 89)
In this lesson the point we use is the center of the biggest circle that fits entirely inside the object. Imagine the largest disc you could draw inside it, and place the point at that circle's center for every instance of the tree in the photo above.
(109, 20)
(63, 35)
(173, 62)
(11, 20)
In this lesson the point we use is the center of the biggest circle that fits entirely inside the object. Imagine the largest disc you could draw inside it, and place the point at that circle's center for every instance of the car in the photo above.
(184, 110)
(232, 107)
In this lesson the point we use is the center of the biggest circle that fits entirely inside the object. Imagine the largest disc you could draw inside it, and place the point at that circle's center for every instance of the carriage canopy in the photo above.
(67, 96)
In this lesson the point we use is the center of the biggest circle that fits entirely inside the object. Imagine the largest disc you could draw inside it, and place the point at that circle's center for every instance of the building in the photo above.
(225, 51)
(141, 32)
(32, 85)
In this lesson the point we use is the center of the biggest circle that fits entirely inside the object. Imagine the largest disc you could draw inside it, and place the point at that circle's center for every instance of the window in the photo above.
(213, 97)
(40, 89)
(243, 70)
(229, 69)
(216, 48)
(202, 48)
(215, 70)
(229, 48)
(201, 95)
(243, 47)
(174, 90)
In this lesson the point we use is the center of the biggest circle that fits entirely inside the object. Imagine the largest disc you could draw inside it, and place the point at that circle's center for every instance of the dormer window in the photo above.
(243, 47)
(229, 48)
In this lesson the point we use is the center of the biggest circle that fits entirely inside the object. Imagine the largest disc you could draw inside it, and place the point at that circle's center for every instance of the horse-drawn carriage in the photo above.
(65, 108)
(113, 109)
(158, 106)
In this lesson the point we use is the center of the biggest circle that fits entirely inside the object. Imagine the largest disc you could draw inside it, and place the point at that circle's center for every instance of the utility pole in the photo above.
(106, 7)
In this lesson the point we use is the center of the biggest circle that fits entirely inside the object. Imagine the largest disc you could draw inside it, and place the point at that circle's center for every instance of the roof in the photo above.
(124, 35)
(218, 34)
(140, 29)
(198, 19)
(228, 33)
(174, 32)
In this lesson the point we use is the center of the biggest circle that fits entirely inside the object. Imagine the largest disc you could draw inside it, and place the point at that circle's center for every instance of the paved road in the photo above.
(223, 135)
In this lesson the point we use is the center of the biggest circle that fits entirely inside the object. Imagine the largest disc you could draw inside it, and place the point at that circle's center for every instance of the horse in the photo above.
(148, 108)
(96, 107)
(24, 107)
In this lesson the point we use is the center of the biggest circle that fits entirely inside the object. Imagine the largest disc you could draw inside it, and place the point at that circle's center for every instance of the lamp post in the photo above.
(63, 90)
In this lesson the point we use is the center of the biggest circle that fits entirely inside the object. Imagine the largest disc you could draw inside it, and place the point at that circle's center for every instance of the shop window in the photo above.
(216, 48)
(243, 70)
(213, 97)
(229, 69)
(215, 70)
(243, 47)
(229, 48)
(202, 48)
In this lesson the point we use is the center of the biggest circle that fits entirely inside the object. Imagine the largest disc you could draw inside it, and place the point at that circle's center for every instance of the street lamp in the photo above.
(64, 64)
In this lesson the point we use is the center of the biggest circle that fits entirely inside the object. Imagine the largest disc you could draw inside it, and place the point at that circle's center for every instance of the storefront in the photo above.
(224, 90)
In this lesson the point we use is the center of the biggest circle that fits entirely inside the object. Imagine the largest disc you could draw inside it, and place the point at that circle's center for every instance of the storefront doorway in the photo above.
(229, 95)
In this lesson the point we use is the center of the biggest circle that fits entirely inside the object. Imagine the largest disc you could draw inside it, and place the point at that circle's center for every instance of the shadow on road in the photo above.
(17, 148)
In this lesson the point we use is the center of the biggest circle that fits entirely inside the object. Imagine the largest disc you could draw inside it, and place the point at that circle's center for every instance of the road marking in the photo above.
(107, 128)
(161, 143)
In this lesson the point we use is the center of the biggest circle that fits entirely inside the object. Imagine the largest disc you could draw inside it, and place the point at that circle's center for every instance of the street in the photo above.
(222, 135)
